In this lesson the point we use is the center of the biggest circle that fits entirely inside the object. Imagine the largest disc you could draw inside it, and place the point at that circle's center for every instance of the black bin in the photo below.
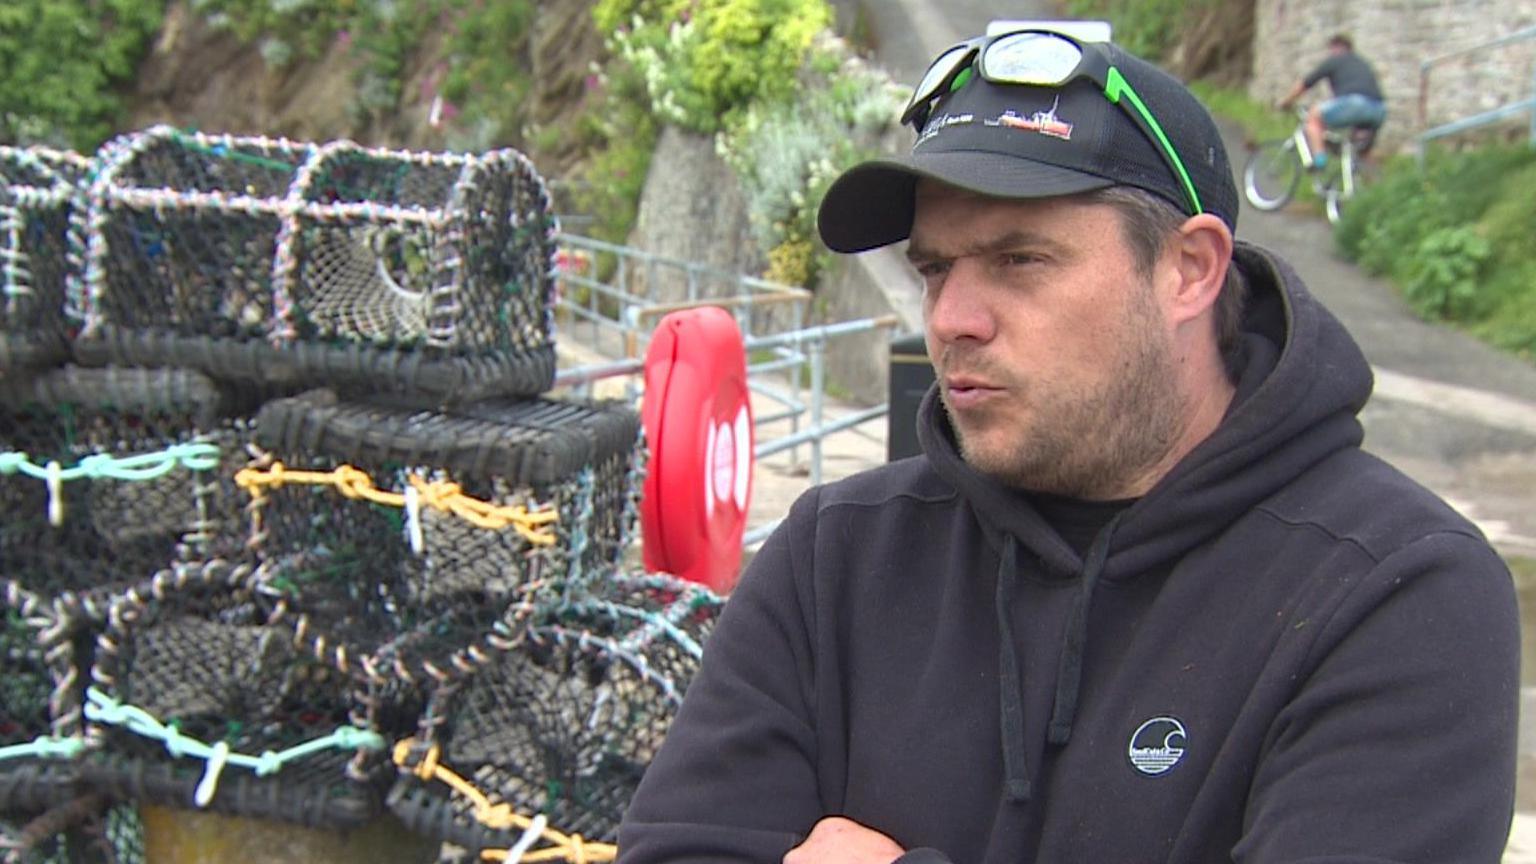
(911, 375)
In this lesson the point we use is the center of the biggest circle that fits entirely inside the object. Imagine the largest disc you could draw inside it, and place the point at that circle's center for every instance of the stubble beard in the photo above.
(1093, 445)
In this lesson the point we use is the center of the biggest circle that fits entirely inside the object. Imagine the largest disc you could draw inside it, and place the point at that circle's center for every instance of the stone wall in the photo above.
(1397, 36)
(692, 210)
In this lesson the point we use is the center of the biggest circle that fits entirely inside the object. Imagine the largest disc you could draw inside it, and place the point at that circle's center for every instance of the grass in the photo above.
(1261, 122)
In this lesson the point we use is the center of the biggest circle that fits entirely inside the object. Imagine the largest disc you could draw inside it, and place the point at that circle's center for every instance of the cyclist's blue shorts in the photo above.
(1353, 109)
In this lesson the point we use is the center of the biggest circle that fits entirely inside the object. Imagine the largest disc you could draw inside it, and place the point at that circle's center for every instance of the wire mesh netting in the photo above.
(336, 265)
(199, 698)
(404, 539)
(108, 475)
(37, 188)
(565, 722)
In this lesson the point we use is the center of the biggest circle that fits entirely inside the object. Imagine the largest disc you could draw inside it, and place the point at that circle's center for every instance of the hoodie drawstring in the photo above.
(1069, 676)
(1015, 772)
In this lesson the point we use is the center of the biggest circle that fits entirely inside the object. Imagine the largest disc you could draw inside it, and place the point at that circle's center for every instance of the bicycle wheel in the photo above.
(1271, 175)
(1333, 203)
(1341, 188)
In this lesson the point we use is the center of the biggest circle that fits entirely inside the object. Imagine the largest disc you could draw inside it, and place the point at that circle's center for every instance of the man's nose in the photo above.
(961, 308)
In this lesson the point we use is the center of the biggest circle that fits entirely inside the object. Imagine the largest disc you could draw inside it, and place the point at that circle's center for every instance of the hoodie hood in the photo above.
(1301, 381)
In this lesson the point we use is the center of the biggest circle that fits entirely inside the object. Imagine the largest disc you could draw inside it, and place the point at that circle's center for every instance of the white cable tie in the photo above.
(55, 493)
(531, 834)
(413, 519)
(210, 782)
(597, 706)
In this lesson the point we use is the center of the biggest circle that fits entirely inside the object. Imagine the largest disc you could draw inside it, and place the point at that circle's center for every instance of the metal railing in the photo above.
(1482, 119)
(611, 288)
(786, 359)
(618, 292)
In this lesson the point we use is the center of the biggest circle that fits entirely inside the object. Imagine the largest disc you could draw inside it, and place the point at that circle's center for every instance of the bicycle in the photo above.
(1274, 169)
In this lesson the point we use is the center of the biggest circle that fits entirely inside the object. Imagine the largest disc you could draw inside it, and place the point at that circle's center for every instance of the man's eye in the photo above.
(932, 269)
(1019, 259)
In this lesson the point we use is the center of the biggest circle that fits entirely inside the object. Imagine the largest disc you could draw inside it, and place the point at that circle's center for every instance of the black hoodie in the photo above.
(1285, 651)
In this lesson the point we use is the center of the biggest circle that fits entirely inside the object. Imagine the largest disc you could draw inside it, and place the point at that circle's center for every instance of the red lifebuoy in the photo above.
(698, 424)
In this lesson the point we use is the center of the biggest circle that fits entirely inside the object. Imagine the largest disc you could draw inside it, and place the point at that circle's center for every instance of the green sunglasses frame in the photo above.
(970, 58)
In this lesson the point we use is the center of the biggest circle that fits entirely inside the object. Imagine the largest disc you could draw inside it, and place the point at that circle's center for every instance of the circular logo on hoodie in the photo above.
(1157, 745)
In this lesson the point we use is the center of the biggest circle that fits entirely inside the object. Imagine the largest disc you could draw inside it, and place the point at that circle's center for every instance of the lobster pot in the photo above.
(406, 538)
(109, 475)
(39, 703)
(200, 699)
(85, 829)
(565, 722)
(321, 265)
(37, 188)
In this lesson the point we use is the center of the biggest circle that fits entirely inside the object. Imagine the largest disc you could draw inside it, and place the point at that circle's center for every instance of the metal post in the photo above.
(622, 284)
(795, 372)
(818, 385)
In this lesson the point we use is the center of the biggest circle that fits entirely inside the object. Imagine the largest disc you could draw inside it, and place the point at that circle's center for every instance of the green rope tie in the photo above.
(102, 708)
(43, 746)
(195, 456)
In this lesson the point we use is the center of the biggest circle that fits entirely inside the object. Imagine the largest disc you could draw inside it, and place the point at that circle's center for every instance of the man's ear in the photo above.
(1200, 252)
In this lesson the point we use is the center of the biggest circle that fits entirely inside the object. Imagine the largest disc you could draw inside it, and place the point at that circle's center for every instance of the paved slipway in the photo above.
(1451, 412)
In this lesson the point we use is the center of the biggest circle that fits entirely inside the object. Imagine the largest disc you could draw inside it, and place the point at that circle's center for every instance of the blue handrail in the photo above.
(1481, 119)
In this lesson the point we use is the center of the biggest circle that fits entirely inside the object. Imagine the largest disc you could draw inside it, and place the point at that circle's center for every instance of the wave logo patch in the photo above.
(1157, 745)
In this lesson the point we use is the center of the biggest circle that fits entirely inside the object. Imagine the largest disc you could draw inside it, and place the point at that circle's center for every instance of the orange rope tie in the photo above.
(449, 497)
(564, 847)
(445, 495)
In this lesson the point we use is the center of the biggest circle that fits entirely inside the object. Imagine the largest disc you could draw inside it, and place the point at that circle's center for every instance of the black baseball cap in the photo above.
(1029, 141)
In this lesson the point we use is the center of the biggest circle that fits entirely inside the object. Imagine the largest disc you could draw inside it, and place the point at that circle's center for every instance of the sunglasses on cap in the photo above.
(1042, 58)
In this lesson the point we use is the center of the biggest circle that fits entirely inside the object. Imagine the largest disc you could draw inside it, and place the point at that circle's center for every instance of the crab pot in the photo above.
(109, 475)
(200, 700)
(406, 539)
(39, 703)
(37, 189)
(333, 265)
(566, 721)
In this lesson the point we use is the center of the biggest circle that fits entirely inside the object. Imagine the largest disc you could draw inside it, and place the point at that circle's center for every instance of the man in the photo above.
(1357, 99)
(1143, 598)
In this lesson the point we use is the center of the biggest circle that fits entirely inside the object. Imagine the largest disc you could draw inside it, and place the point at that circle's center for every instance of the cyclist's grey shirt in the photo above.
(1346, 73)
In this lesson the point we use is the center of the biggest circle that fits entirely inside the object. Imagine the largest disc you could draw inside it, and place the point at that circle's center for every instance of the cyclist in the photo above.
(1357, 99)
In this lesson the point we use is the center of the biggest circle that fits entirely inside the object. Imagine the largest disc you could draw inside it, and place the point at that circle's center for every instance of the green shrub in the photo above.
(1391, 216)
(619, 129)
(785, 153)
(1455, 236)
(63, 63)
(1511, 323)
(1442, 273)
(704, 60)
(1509, 221)
(485, 78)
(291, 27)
